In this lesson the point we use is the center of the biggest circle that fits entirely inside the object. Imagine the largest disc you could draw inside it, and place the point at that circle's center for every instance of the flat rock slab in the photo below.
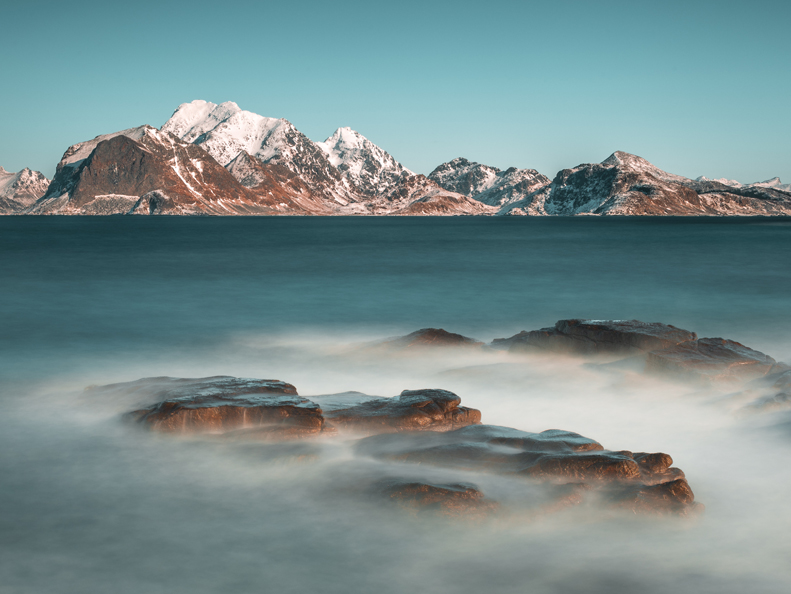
(272, 410)
(712, 358)
(155, 389)
(219, 404)
(412, 410)
(597, 336)
(554, 456)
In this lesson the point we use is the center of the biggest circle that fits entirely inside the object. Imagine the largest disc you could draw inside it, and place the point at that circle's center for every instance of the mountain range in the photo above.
(210, 159)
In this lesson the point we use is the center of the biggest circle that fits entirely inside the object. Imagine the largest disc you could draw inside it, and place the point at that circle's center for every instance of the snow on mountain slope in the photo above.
(488, 184)
(225, 130)
(625, 184)
(418, 195)
(369, 168)
(145, 171)
(21, 189)
(773, 183)
(277, 185)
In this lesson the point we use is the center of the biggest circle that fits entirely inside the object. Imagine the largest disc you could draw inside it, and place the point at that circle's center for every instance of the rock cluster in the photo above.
(666, 349)
(425, 428)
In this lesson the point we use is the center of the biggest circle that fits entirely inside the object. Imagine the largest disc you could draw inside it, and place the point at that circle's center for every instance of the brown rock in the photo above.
(270, 409)
(597, 336)
(431, 337)
(711, 358)
(674, 497)
(449, 499)
(436, 410)
(553, 456)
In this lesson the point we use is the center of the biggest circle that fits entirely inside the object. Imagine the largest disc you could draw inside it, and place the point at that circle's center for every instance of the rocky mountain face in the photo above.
(488, 184)
(625, 184)
(145, 171)
(21, 189)
(420, 196)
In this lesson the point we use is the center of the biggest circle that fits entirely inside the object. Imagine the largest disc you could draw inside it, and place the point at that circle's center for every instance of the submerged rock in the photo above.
(597, 336)
(449, 499)
(428, 338)
(436, 410)
(554, 456)
(769, 393)
(663, 348)
(713, 358)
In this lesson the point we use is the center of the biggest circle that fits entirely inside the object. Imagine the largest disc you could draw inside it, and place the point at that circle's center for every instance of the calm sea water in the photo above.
(73, 288)
(89, 505)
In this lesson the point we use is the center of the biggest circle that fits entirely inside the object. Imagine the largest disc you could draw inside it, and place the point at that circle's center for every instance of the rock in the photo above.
(552, 456)
(711, 358)
(436, 410)
(430, 337)
(597, 336)
(769, 393)
(674, 497)
(449, 499)
(269, 409)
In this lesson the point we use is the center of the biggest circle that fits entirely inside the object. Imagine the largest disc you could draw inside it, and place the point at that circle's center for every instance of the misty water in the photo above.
(90, 503)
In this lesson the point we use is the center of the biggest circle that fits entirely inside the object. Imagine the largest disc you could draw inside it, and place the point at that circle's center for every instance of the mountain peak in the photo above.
(369, 167)
(624, 158)
(487, 184)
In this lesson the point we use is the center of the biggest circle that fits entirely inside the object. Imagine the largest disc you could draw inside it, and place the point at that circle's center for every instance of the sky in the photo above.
(695, 87)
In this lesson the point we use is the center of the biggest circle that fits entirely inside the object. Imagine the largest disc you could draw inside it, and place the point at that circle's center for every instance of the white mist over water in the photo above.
(90, 503)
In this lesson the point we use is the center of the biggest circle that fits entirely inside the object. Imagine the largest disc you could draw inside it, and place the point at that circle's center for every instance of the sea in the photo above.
(90, 503)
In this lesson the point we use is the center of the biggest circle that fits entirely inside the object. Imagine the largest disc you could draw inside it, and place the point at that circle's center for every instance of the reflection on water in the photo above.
(91, 504)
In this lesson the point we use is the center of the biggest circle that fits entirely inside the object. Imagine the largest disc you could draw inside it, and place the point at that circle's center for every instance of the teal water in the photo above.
(88, 504)
(72, 287)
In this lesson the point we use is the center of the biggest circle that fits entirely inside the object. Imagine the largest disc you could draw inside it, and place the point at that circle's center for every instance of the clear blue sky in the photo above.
(696, 87)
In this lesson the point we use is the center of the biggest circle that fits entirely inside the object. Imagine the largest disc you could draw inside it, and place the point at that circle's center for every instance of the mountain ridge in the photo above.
(218, 159)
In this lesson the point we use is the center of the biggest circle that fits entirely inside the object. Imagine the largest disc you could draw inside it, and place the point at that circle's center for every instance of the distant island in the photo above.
(211, 159)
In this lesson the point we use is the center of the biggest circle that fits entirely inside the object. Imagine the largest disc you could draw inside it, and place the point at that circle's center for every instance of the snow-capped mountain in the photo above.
(345, 174)
(625, 184)
(488, 184)
(372, 170)
(21, 189)
(773, 183)
(144, 171)
(222, 160)
(225, 130)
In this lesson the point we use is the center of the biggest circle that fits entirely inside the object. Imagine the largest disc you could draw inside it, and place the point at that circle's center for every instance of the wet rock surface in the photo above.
(770, 393)
(430, 337)
(664, 349)
(269, 409)
(556, 457)
(449, 499)
(437, 410)
(597, 336)
(552, 470)
(714, 358)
